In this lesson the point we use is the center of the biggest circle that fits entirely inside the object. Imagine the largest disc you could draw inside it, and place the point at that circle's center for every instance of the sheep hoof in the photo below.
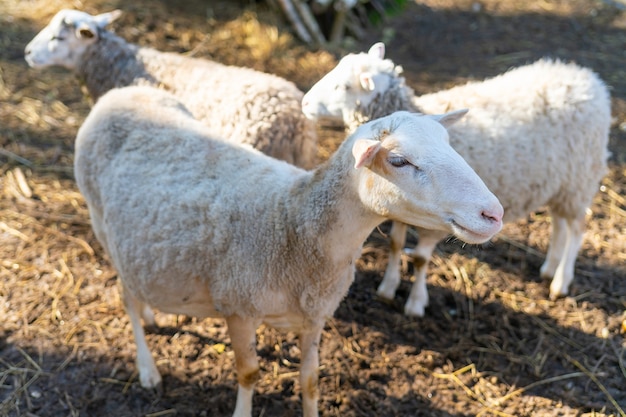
(560, 286)
(385, 294)
(547, 271)
(151, 380)
(153, 384)
(415, 309)
(555, 294)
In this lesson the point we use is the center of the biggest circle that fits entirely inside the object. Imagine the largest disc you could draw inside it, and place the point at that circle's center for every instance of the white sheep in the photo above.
(241, 104)
(195, 225)
(537, 135)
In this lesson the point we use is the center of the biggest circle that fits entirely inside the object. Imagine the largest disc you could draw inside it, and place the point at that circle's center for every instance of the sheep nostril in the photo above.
(494, 215)
(488, 216)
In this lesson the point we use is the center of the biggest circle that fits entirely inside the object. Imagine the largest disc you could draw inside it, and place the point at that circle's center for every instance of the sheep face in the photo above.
(354, 83)
(64, 40)
(409, 172)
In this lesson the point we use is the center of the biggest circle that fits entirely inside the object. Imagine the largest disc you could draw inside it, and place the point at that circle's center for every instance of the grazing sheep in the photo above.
(241, 104)
(537, 135)
(195, 225)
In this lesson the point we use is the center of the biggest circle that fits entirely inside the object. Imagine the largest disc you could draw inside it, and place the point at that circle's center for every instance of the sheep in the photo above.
(536, 134)
(196, 225)
(242, 104)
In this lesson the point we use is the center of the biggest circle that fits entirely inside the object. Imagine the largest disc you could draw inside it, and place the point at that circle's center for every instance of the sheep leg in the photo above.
(556, 250)
(147, 315)
(391, 280)
(418, 298)
(565, 271)
(309, 345)
(149, 376)
(242, 333)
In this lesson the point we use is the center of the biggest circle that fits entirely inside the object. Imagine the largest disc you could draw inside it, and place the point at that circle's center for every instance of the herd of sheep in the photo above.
(203, 187)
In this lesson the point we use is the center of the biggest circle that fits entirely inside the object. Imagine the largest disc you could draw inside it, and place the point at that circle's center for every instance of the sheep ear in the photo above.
(367, 81)
(377, 50)
(104, 19)
(450, 118)
(85, 31)
(364, 151)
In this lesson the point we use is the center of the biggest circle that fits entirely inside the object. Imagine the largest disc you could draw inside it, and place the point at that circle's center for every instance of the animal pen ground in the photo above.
(491, 344)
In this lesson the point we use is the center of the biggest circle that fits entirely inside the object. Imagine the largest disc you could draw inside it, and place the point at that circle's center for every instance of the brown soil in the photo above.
(492, 344)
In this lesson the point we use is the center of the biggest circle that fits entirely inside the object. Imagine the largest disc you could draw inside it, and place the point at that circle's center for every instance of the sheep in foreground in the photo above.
(241, 104)
(195, 225)
(537, 135)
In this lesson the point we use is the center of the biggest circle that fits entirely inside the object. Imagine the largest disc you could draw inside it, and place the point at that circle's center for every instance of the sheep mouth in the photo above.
(469, 235)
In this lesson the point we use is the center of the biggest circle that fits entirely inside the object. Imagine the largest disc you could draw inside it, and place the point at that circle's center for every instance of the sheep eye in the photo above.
(57, 38)
(342, 87)
(399, 161)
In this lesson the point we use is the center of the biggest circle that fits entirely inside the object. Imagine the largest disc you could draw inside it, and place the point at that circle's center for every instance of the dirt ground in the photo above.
(491, 344)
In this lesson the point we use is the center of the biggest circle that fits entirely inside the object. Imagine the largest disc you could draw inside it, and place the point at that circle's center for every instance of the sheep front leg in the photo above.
(418, 298)
(391, 280)
(565, 271)
(309, 345)
(242, 333)
(149, 376)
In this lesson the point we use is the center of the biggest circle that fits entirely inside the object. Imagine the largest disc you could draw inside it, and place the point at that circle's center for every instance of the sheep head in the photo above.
(407, 171)
(63, 41)
(354, 83)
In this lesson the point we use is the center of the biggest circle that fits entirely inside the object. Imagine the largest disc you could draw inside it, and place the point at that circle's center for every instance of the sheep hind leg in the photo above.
(391, 280)
(149, 376)
(565, 271)
(242, 333)
(309, 346)
(418, 298)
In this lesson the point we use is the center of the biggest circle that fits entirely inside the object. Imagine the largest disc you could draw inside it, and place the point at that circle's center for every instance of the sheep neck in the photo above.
(330, 201)
(398, 96)
(331, 225)
(109, 63)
